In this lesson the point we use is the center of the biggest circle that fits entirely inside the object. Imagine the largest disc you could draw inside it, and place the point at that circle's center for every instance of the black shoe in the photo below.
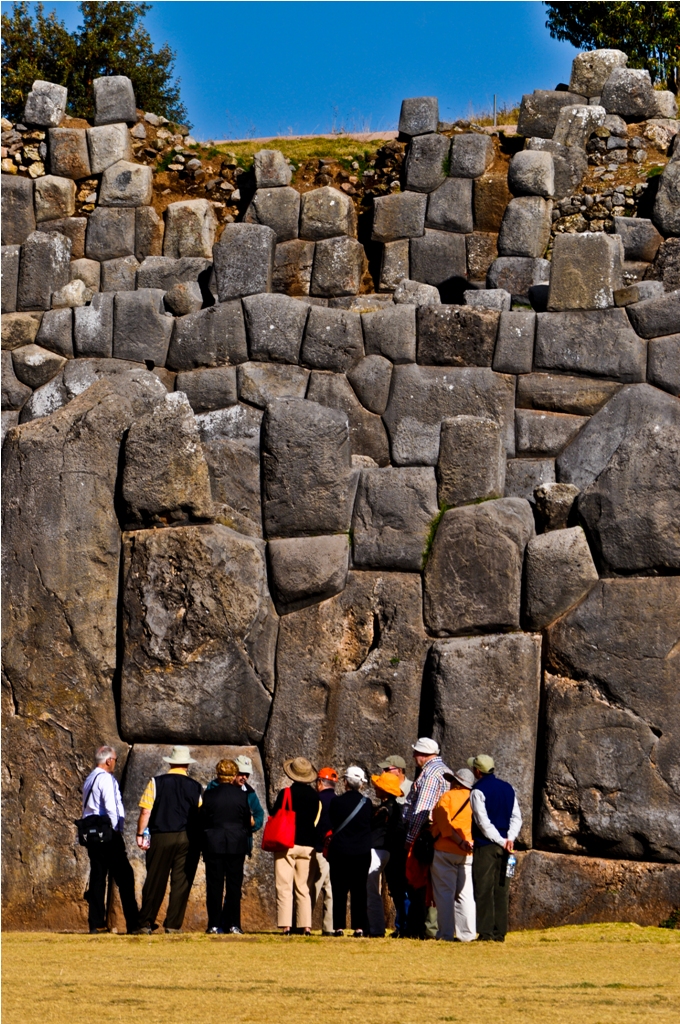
(214, 931)
(499, 938)
(99, 931)
(358, 934)
(338, 933)
(396, 934)
(483, 938)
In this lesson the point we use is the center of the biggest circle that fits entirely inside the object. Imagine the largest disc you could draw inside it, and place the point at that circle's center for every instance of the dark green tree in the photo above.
(110, 41)
(648, 32)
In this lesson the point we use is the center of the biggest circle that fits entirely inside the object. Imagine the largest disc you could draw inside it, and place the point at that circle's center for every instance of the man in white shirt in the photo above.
(101, 795)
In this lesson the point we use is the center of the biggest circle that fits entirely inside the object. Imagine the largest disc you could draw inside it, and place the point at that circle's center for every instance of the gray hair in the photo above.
(104, 753)
(354, 783)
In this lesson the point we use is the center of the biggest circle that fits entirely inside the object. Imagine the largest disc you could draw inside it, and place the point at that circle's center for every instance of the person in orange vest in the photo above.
(451, 871)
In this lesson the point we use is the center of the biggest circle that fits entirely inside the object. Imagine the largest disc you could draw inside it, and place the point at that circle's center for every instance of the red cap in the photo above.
(329, 774)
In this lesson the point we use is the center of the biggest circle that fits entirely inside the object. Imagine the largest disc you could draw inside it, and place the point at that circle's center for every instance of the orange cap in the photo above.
(329, 774)
(388, 783)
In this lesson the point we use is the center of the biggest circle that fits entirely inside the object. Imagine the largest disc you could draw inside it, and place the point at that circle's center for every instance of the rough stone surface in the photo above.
(14, 393)
(491, 195)
(73, 227)
(412, 293)
(590, 70)
(456, 335)
(149, 231)
(93, 327)
(69, 156)
(18, 214)
(586, 271)
(165, 271)
(655, 318)
(523, 476)
(278, 209)
(394, 266)
(401, 215)
(517, 275)
(244, 260)
(426, 163)
(570, 164)
(114, 100)
(422, 396)
(231, 445)
(54, 197)
(8, 419)
(471, 464)
(349, 673)
(107, 145)
(471, 155)
(60, 612)
(393, 512)
(600, 343)
(119, 275)
(559, 572)
(419, 115)
(339, 265)
(640, 238)
(190, 227)
(554, 504)
(56, 332)
(438, 258)
(307, 483)
(305, 570)
(666, 214)
(19, 329)
(215, 336)
(558, 393)
(165, 478)
(482, 250)
(473, 577)
(576, 124)
(125, 184)
(141, 327)
(293, 262)
(214, 388)
(370, 379)
(367, 434)
(261, 383)
(489, 298)
(391, 333)
(545, 433)
(525, 230)
(326, 212)
(532, 173)
(271, 169)
(45, 104)
(87, 271)
(449, 206)
(183, 298)
(540, 111)
(43, 268)
(186, 676)
(663, 363)
(485, 694)
(275, 325)
(630, 93)
(666, 265)
(10, 277)
(514, 352)
(110, 234)
(333, 339)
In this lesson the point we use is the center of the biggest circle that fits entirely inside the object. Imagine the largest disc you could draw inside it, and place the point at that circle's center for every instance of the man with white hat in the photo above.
(169, 806)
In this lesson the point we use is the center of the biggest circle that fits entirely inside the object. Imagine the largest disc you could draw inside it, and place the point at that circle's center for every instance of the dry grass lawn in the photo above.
(596, 974)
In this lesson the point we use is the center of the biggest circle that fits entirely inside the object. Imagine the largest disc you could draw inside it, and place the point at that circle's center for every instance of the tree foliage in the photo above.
(110, 41)
(648, 32)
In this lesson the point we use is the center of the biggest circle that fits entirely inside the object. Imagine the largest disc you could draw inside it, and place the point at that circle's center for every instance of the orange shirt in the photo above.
(453, 812)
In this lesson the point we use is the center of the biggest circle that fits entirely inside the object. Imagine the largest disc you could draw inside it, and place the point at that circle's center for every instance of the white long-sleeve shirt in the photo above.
(101, 795)
(483, 822)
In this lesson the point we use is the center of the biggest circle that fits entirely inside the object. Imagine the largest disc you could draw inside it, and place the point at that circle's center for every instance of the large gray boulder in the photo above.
(167, 271)
(93, 327)
(663, 363)
(394, 265)
(107, 145)
(540, 110)
(586, 271)
(187, 676)
(349, 674)
(532, 173)
(305, 570)
(261, 383)
(629, 92)
(208, 389)
(471, 155)
(110, 234)
(639, 237)
(393, 513)
(18, 213)
(14, 393)
(525, 230)
(165, 477)
(514, 351)
(56, 332)
(339, 265)
(666, 214)
(570, 164)
(654, 318)
(60, 612)
(456, 335)
(419, 115)
(244, 260)
(190, 227)
(438, 258)
(524, 476)
(473, 577)
(422, 396)
(401, 215)
(560, 393)
(391, 333)
(367, 434)
(278, 209)
(54, 197)
(149, 231)
(69, 156)
(449, 207)
(598, 343)
(576, 124)
(35, 365)
(426, 165)
(45, 104)
(119, 275)
(307, 483)
(114, 100)
(326, 212)
(271, 169)
(333, 339)
(559, 572)
(471, 465)
(125, 184)
(43, 268)
(275, 325)
(545, 433)
(626, 462)
(591, 69)
(486, 694)
(293, 263)
(371, 379)
(215, 336)
(141, 327)
(231, 445)
(517, 274)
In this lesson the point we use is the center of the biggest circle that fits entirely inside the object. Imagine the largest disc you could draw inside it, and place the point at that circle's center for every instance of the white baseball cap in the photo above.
(355, 774)
(425, 746)
(244, 764)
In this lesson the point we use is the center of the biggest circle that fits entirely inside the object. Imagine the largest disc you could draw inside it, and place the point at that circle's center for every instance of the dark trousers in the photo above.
(227, 869)
(417, 912)
(172, 856)
(348, 877)
(109, 861)
(492, 890)
(396, 883)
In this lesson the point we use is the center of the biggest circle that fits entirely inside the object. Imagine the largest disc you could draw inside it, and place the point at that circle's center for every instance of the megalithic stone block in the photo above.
(110, 234)
(393, 513)
(149, 231)
(107, 145)
(126, 184)
(590, 70)
(215, 336)
(73, 227)
(532, 173)
(114, 100)
(18, 214)
(630, 93)
(306, 570)
(43, 268)
(427, 162)
(293, 262)
(326, 212)
(575, 125)
(45, 104)
(231, 445)
(471, 465)
(339, 265)
(141, 327)
(370, 379)
(391, 333)
(559, 572)
(367, 435)
(261, 383)
(278, 209)
(69, 155)
(271, 169)
(208, 389)
(93, 327)
(471, 155)
(525, 230)
(244, 260)
(275, 325)
(56, 332)
(655, 318)
(333, 339)
(456, 335)
(401, 215)
(419, 115)
(586, 271)
(190, 228)
(666, 214)
(540, 110)
(599, 343)
(54, 197)
(449, 206)
(10, 255)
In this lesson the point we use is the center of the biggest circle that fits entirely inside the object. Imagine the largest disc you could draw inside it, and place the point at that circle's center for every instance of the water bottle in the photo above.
(510, 867)
(146, 839)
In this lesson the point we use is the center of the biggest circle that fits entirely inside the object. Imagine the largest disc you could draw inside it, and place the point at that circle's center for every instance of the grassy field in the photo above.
(595, 974)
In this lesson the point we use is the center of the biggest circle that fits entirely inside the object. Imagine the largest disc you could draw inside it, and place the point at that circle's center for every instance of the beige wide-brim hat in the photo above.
(180, 755)
(299, 769)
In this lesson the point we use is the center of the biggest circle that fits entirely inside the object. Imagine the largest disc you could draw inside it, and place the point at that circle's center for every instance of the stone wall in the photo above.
(258, 496)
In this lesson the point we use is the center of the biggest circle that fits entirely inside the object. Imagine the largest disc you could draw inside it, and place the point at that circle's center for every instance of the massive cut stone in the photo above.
(491, 195)
(401, 215)
(107, 145)
(485, 698)
(271, 169)
(540, 110)
(10, 277)
(34, 365)
(165, 272)
(532, 173)
(394, 265)
(590, 70)
(14, 393)
(471, 155)
(54, 197)
(326, 212)
(456, 335)
(576, 124)
(125, 184)
(339, 265)
(438, 258)
(307, 483)
(231, 445)
(525, 230)
(473, 576)
(149, 231)
(517, 274)
(370, 379)
(554, 504)
(586, 270)
(450, 206)
(190, 676)
(471, 464)
(18, 215)
(69, 157)
(141, 327)
(514, 352)
(393, 513)
(553, 889)
(419, 115)
(558, 393)
(559, 572)
(244, 260)
(655, 318)
(626, 462)
(215, 336)
(275, 324)
(630, 93)
(333, 339)
(43, 268)
(666, 213)
(545, 433)
(663, 363)
(261, 383)
(278, 208)
(114, 100)
(93, 327)
(56, 332)
(61, 571)
(349, 674)
(293, 267)
(87, 271)
(208, 389)
(73, 227)
(366, 431)
(639, 237)
(524, 476)
(600, 343)
(391, 333)
(165, 478)
(119, 275)
(570, 164)
(426, 165)
(482, 250)
(422, 396)
(190, 228)
(110, 234)
(305, 570)
(45, 104)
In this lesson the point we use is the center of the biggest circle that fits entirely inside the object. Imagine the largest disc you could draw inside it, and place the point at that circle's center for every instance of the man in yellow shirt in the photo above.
(169, 805)
(451, 871)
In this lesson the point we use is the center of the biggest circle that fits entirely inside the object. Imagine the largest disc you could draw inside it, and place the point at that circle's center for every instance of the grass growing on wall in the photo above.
(343, 149)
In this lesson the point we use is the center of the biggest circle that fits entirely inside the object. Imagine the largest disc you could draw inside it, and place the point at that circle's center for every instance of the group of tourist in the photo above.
(440, 844)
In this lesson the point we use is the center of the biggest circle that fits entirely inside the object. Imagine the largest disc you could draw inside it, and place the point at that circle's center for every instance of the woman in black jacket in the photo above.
(292, 867)
(350, 852)
(226, 823)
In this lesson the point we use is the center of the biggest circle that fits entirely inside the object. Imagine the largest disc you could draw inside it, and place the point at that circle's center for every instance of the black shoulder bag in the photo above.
(95, 828)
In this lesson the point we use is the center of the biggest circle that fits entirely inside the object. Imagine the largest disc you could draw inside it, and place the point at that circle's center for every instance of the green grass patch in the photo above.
(343, 149)
(432, 532)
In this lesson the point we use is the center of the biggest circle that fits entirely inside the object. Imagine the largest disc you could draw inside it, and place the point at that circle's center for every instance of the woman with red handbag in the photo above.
(292, 865)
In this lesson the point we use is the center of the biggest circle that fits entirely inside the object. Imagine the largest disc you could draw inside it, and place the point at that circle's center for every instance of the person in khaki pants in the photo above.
(292, 868)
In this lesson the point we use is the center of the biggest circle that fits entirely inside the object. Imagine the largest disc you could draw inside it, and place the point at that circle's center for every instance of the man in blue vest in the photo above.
(496, 821)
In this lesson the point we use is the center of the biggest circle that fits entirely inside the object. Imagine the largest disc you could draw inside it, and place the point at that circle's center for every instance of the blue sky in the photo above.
(258, 69)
